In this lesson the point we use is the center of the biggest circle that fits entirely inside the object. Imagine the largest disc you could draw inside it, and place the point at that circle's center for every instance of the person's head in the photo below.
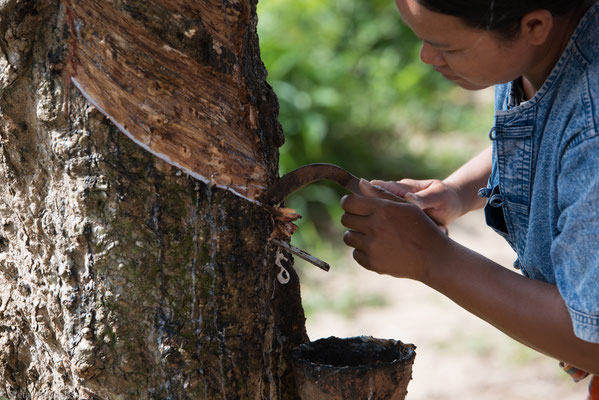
(502, 17)
(479, 43)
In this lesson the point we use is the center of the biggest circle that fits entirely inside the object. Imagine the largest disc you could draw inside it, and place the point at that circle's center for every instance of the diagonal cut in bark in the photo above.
(189, 114)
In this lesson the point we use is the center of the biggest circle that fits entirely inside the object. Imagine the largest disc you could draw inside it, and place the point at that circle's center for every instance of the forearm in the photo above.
(469, 178)
(530, 311)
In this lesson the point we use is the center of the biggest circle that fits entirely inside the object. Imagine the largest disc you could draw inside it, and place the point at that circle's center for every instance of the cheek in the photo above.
(476, 69)
(461, 63)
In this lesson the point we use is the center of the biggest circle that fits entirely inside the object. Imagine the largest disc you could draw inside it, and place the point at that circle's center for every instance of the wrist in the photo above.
(469, 178)
(466, 195)
(440, 266)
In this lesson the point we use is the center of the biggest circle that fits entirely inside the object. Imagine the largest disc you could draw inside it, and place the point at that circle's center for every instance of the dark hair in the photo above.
(500, 16)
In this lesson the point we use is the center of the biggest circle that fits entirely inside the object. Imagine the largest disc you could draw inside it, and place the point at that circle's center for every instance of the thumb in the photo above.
(424, 202)
(416, 200)
(370, 190)
(427, 198)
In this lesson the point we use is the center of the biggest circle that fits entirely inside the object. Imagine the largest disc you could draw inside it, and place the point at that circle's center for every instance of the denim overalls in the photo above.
(543, 192)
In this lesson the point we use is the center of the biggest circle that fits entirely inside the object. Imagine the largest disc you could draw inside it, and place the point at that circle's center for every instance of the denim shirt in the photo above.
(543, 192)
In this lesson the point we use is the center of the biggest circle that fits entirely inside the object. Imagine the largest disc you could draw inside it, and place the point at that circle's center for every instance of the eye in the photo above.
(450, 51)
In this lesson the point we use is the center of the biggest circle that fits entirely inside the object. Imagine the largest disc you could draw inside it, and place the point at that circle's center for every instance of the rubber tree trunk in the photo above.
(121, 277)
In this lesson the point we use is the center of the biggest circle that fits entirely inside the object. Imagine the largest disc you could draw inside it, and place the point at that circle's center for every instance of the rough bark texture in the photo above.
(198, 117)
(121, 277)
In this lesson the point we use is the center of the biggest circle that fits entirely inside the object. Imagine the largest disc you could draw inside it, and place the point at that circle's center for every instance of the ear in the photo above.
(536, 26)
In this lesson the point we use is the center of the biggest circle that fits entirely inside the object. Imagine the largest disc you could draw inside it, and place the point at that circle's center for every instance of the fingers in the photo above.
(370, 190)
(358, 205)
(430, 197)
(418, 200)
(355, 239)
(422, 193)
(425, 194)
(358, 241)
(362, 258)
(401, 188)
(354, 222)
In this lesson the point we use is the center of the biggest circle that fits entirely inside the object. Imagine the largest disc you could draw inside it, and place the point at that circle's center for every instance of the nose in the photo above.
(430, 55)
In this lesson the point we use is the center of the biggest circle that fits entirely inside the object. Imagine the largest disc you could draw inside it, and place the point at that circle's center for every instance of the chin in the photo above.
(471, 85)
(466, 84)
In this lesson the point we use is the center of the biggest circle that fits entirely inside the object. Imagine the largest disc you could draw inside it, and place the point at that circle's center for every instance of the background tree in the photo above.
(121, 277)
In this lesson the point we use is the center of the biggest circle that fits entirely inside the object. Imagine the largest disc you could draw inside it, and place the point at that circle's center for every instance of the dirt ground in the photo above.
(458, 355)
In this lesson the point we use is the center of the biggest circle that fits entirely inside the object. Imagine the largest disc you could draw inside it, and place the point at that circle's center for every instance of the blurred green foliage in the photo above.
(353, 92)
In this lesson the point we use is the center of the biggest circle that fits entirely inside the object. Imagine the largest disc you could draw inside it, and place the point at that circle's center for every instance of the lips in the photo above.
(447, 75)
(451, 77)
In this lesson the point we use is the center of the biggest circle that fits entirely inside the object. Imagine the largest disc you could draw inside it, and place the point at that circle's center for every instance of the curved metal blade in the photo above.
(307, 174)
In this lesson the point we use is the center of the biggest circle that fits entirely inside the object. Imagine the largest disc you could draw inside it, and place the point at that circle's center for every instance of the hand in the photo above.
(438, 199)
(391, 237)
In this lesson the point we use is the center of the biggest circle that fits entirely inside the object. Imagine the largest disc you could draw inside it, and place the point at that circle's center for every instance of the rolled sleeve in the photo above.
(575, 248)
(586, 327)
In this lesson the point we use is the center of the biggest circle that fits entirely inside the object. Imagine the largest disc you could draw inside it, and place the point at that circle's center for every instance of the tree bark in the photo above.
(120, 276)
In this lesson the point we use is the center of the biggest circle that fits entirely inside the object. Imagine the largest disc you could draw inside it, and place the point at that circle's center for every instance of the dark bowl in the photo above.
(353, 368)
